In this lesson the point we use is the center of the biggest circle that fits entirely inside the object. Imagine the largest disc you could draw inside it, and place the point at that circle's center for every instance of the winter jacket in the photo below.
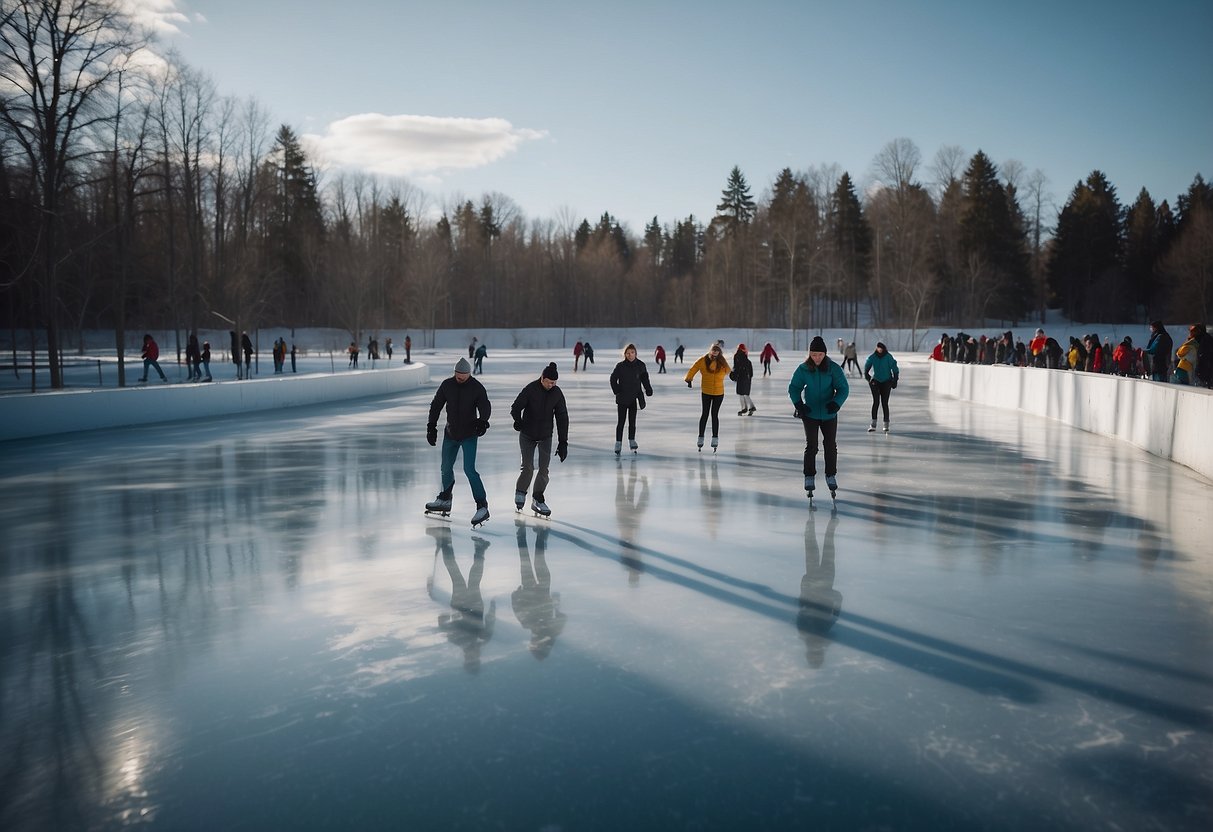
(812, 387)
(192, 354)
(882, 368)
(1186, 355)
(150, 350)
(768, 352)
(1159, 349)
(712, 382)
(466, 404)
(937, 353)
(1037, 345)
(1204, 362)
(743, 373)
(628, 379)
(537, 408)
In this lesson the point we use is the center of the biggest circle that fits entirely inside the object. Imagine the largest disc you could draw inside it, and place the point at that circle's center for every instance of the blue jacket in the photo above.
(880, 367)
(813, 387)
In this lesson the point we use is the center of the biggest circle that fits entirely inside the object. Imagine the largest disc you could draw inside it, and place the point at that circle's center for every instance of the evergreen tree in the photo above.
(296, 227)
(1142, 250)
(1085, 260)
(737, 207)
(993, 243)
(850, 243)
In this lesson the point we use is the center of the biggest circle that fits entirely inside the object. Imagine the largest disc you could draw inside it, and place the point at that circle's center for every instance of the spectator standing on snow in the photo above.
(151, 358)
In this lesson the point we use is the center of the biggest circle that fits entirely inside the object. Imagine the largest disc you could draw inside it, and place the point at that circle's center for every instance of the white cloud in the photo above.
(405, 145)
(160, 16)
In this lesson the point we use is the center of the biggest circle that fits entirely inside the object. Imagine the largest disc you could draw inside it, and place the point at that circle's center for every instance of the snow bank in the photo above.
(23, 416)
(1168, 420)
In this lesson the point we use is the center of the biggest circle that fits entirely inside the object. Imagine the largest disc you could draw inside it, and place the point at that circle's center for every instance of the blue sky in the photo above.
(642, 108)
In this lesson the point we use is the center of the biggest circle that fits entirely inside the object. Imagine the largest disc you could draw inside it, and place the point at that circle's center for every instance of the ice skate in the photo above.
(715, 443)
(632, 445)
(540, 508)
(480, 517)
(440, 505)
(872, 426)
(832, 484)
(618, 448)
(742, 412)
(752, 411)
(519, 500)
(886, 427)
(809, 485)
(699, 443)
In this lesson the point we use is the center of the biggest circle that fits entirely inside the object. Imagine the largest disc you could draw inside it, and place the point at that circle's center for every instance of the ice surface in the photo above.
(248, 623)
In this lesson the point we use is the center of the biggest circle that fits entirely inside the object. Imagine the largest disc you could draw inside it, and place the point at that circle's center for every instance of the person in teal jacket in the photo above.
(881, 372)
(817, 390)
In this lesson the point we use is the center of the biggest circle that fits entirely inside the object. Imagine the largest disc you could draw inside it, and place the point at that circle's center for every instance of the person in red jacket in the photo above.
(1037, 347)
(151, 356)
(768, 352)
(659, 357)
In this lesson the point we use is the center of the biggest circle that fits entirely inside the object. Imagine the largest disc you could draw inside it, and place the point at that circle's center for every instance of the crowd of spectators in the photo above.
(1190, 362)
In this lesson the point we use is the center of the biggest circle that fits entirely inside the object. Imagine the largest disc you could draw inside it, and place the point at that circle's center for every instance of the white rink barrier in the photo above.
(40, 414)
(1169, 420)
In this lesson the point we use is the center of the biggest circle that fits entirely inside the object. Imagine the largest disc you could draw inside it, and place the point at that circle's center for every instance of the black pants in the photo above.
(710, 404)
(626, 411)
(528, 446)
(829, 438)
(880, 397)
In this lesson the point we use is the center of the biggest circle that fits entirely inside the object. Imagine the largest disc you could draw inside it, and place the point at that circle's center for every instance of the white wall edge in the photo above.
(41, 414)
(1168, 420)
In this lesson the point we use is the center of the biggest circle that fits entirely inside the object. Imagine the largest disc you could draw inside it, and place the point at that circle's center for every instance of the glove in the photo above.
(732, 377)
(431, 435)
(518, 425)
(831, 407)
(872, 381)
(640, 402)
(688, 384)
(562, 451)
(801, 411)
(482, 427)
(894, 385)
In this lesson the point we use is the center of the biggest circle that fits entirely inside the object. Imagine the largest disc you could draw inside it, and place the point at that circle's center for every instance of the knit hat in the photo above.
(818, 344)
(551, 372)
(462, 366)
(741, 348)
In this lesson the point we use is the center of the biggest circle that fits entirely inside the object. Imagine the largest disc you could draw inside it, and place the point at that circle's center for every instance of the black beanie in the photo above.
(551, 372)
(818, 344)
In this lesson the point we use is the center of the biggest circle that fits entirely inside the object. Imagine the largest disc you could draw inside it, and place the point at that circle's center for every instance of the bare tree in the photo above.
(946, 168)
(58, 63)
(1038, 203)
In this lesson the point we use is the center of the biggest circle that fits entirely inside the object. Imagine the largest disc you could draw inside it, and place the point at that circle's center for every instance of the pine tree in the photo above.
(1085, 260)
(993, 243)
(296, 227)
(850, 242)
(1142, 250)
(737, 207)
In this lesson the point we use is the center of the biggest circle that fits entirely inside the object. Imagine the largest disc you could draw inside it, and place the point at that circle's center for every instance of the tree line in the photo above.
(134, 196)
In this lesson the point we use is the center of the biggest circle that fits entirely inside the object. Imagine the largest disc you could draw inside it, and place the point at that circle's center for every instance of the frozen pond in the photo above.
(248, 623)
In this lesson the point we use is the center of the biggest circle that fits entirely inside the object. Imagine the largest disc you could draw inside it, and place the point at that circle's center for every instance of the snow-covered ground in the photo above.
(247, 622)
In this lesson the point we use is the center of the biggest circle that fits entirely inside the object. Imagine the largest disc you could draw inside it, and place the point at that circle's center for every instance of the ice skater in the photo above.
(743, 376)
(539, 405)
(881, 373)
(768, 352)
(630, 384)
(467, 419)
(713, 370)
(817, 390)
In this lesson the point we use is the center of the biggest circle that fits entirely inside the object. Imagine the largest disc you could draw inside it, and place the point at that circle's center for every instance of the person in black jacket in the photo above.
(539, 404)
(743, 375)
(467, 419)
(1160, 348)
(630, 384)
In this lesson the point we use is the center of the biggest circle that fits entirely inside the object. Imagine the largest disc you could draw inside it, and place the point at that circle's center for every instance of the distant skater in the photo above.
(881, 373)
(678, 351)
(151, 358)
(659, 359)
(712, 370)
(768, 352)
(630, 384)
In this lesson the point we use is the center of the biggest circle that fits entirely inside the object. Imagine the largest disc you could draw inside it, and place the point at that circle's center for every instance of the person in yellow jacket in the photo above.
(713, 370)
(1185, 358)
